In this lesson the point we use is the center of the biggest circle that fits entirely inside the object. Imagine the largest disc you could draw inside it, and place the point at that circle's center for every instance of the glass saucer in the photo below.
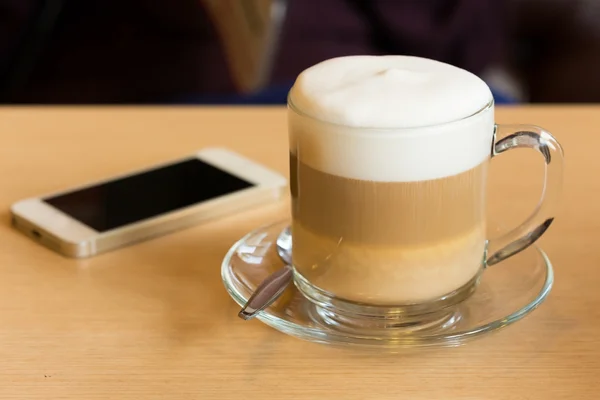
(506, 293)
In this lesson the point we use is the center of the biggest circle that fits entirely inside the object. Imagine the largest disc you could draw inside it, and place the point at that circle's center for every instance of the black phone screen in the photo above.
(124, 201)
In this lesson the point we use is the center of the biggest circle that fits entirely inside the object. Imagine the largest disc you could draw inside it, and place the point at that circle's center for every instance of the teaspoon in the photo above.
(273, 286)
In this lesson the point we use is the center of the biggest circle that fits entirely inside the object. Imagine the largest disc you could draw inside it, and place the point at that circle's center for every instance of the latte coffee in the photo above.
(388, 178)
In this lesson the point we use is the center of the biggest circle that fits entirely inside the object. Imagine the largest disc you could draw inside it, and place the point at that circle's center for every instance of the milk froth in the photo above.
(390, 118)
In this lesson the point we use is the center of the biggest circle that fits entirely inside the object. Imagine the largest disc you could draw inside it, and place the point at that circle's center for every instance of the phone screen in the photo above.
(124, 201)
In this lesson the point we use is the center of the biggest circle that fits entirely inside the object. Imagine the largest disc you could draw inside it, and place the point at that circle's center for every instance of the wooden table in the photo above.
(153, 321)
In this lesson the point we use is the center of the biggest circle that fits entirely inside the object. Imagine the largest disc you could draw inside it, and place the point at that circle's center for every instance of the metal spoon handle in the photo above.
(267, 292)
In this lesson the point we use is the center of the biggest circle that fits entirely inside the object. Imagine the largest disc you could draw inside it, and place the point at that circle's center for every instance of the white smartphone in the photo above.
(122, 210)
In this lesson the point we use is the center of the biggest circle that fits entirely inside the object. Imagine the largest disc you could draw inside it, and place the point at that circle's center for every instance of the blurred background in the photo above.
(250, 51)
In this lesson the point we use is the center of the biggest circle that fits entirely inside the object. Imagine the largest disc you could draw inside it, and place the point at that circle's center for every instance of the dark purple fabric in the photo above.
(14, 16)
(466, 33)
(127, 51)
(136, 51)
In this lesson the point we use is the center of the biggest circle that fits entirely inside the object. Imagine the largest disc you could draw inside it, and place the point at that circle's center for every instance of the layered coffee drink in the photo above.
(388, 166)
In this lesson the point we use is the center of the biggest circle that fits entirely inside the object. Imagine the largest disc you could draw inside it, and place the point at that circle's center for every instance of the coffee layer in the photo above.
(387, 275)
(387, 242)
(387, 213)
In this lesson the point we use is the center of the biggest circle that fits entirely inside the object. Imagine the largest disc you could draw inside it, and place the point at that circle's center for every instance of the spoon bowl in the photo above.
(273, 286)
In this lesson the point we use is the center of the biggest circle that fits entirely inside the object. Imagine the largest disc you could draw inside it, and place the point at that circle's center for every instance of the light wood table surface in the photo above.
(153, 321)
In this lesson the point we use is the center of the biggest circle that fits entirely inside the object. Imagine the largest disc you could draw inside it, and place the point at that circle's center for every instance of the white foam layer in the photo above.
(390, 118)
(388, 92)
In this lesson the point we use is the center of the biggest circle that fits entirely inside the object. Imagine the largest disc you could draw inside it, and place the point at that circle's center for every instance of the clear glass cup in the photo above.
(399, 234)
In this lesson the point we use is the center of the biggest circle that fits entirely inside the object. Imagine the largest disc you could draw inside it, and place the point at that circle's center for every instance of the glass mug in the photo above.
(392, 236)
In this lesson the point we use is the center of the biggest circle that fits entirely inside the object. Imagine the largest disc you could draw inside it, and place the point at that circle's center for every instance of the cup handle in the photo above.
(507, 137)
